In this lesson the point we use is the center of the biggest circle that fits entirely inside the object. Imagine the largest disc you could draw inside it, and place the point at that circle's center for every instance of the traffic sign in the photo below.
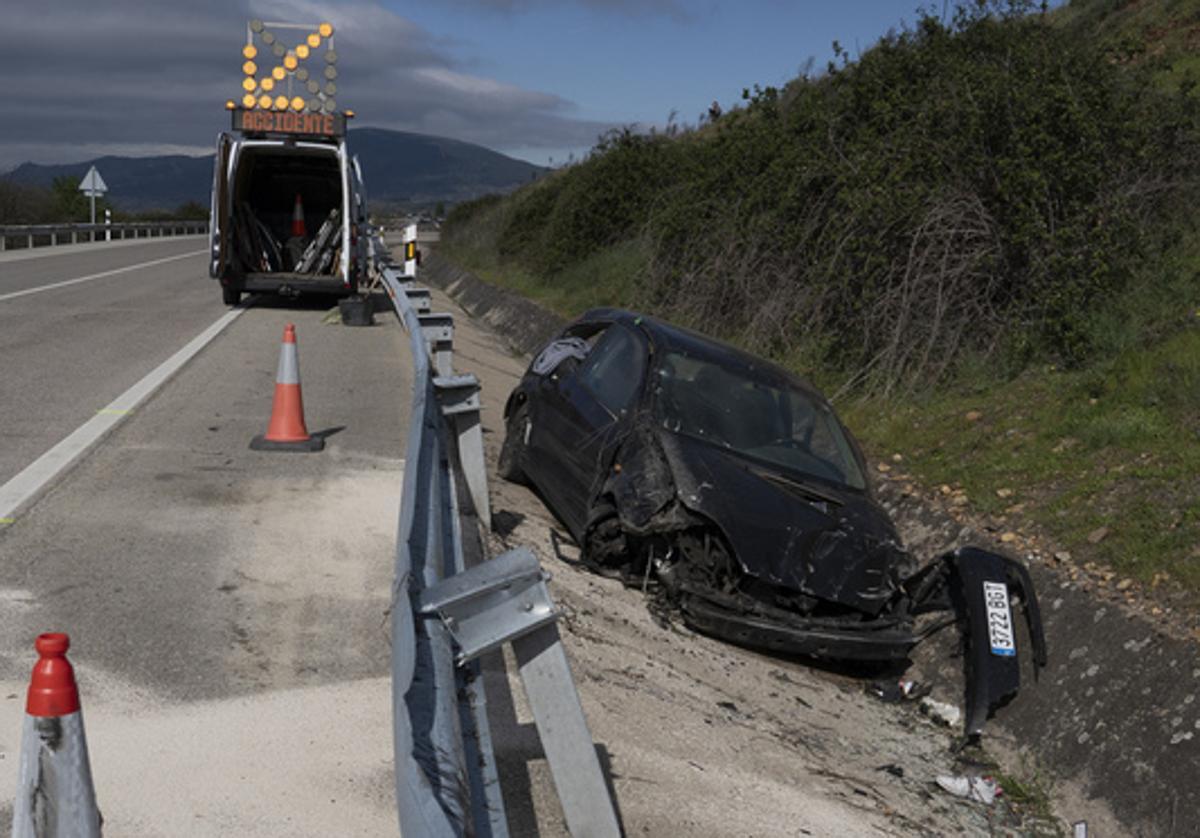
(92, 184)
(94, 187)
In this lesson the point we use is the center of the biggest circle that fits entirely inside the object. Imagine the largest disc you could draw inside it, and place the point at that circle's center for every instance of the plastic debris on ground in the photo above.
(940, 711)
(901, 690)
(982, 789)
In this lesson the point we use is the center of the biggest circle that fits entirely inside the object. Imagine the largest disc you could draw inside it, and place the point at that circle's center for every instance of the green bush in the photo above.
(977, 188)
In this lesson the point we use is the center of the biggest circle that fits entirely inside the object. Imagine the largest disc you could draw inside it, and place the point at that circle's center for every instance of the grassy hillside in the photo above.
(1163, 36)
(979, 236)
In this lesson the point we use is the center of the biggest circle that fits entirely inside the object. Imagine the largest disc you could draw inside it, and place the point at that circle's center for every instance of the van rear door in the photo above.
(218, 219)
(347, 211)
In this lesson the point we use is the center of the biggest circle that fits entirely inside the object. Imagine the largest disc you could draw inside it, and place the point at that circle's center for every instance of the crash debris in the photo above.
(984, 790)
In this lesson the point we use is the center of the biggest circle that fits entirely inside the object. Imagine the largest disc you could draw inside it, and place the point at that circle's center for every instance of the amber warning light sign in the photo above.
(289, 122)
(288, 68)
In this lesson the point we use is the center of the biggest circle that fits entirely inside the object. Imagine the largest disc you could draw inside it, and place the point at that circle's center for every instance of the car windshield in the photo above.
(759, 415)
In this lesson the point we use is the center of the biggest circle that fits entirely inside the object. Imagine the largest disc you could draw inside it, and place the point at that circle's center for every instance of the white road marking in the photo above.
(22, 488)
(64, 283)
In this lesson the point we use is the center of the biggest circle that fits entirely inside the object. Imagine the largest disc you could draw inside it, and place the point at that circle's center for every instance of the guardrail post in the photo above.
(458, 396)
(421, 299)
(31, 241)
(565, 737)
(506, 600)
(438, 331)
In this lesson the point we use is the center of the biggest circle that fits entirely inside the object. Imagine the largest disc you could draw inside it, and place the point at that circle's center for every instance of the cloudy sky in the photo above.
(539, 79)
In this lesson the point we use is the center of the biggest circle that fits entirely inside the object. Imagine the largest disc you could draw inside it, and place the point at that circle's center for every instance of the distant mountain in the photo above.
(399, 169)
(134, 183)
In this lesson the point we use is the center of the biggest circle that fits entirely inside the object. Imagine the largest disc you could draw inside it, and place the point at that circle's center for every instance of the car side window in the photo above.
(613, 369)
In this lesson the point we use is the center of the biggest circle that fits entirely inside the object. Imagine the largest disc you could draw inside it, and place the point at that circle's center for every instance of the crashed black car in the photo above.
(732, 486)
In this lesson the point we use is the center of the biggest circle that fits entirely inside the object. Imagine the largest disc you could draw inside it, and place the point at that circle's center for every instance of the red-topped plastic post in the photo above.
(52, 690)
(55, 796)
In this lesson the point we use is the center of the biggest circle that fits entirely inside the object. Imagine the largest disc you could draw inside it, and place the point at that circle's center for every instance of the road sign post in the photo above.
(93, 186)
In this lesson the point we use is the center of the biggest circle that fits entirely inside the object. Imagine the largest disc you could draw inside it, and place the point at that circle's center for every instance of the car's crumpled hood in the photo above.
(842, 548)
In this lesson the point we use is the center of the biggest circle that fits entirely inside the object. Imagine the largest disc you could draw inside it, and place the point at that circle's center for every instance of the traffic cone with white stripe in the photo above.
(298, 218)
(55, 796)
(286, 431)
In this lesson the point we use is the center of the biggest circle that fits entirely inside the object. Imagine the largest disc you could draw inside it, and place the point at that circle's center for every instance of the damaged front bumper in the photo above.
(796, 637)
(972, 587)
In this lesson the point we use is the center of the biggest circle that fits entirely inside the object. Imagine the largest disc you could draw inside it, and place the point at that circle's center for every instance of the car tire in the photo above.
(511, 464)
(231, 294)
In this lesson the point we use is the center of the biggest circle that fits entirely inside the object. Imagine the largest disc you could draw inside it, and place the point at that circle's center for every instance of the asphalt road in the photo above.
(226, 606)
(68, 351)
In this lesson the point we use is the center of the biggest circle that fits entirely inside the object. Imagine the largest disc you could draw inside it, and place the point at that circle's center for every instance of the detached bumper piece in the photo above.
(983, 585)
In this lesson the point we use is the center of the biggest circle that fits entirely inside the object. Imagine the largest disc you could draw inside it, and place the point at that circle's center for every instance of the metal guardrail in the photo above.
(445, 616)
(37, 235)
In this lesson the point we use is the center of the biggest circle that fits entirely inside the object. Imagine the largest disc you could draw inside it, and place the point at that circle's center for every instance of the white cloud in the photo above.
(132, 74)
(476, 86)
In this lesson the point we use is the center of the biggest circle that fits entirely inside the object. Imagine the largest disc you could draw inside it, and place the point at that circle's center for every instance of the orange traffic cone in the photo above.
(55, 795)
(286, 431)
(298, 218)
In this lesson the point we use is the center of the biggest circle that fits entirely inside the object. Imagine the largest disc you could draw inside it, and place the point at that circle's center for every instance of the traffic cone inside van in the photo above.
(298, 218)
(286, 431)
(55, 795)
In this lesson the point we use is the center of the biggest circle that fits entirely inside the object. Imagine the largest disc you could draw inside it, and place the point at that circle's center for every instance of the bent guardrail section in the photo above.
(445, 616)
(28, 235)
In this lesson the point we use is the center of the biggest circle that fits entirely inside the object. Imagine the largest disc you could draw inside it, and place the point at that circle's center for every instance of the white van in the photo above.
(288, 212)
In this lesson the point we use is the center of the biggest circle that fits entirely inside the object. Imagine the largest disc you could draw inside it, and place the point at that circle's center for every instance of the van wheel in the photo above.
(231, 294)
(510, 465)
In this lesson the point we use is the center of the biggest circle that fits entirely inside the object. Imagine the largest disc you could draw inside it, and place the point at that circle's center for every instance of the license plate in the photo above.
(999, 618)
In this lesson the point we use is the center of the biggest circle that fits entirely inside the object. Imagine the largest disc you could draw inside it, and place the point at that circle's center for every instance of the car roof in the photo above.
(668, 337)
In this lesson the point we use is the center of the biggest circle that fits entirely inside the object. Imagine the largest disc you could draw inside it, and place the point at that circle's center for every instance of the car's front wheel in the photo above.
(511, 465)
(231, 294)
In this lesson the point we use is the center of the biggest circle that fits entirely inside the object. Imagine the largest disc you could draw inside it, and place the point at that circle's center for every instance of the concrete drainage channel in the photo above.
(1112, 726)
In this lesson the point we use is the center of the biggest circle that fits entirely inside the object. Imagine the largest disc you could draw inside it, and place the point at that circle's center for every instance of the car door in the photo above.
(583, 411)
(542, 461)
